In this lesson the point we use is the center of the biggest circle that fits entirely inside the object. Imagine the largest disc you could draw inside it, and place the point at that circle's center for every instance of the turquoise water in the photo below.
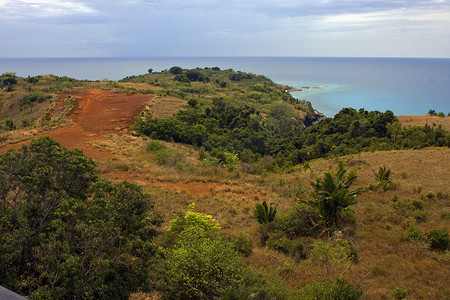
(402, 85)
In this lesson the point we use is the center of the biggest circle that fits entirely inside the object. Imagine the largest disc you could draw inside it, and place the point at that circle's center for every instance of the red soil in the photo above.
(96, 113)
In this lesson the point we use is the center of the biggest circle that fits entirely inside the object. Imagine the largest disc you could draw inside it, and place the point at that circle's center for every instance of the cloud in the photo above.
(232, 27)
(24, 9)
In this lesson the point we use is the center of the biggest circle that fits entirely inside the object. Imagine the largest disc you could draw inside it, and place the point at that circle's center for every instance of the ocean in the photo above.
(406, 86)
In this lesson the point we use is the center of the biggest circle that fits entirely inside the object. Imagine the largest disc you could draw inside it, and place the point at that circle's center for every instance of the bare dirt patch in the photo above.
(96, 112)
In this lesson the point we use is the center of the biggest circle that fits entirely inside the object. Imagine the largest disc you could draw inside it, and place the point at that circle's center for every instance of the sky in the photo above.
(180, 28)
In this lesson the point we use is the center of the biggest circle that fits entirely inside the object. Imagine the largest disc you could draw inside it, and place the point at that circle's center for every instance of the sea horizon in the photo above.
(404, 85)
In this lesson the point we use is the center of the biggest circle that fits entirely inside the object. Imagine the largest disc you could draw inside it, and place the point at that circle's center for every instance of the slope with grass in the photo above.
(382, 242)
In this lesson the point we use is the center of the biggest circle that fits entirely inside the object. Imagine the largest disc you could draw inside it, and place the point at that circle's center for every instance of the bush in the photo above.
(326, 290)
(170, 158)
(438, 240)
(413, 233)
(242, 244)
(34, 97)
(201, 265)
(278, 241)
(181, 78)
(175, 70)
(155, 145)
(399, 293)
(302, 221)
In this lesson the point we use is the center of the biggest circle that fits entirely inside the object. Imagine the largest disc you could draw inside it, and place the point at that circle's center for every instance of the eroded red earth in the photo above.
(99, 112)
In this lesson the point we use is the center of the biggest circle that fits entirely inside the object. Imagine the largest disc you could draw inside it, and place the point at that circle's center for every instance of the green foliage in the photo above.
(303, 220)
(414, 234)
(34, 97)
(181, 78)
(383, 174)
(398, 293)
(379, 271)
(327, 290)
(9, 124)
(265, 215)
(201, 268)
(242, 244)
(438, 240)
(170, 158)
(202, 222)
(175, 70)
(296, 248)
(410, 208)
(383, 178)
(202, 265)
(66, 234)
(336, 256)
(155, 145)
(8, 80)
(332, 195)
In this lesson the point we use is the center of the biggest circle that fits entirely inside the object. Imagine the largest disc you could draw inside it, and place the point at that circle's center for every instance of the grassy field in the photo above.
(425, 120)
(387, 259)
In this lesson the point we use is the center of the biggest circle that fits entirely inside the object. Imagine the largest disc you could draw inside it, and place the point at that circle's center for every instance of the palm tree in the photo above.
(332, 195)
(265, 215)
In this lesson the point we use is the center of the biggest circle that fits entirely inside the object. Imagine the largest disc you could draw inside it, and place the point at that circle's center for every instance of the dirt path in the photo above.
(96, 113)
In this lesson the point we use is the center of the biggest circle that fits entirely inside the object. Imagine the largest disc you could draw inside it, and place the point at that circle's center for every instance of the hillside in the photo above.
(386, 230)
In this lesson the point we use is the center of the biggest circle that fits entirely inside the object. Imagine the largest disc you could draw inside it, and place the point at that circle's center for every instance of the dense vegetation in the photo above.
(254, 129)
(63, 233)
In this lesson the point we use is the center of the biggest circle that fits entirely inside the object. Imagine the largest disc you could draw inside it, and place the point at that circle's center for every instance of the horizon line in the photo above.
(233, 56)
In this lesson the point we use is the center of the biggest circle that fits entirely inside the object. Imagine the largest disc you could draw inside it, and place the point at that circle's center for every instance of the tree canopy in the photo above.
(64, 233)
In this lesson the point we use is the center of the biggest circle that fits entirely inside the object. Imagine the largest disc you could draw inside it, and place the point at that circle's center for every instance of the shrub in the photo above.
(181, 78)
(325, 289)
(170, 158)
(155, 145)
(399, 293)
(242, 244)
(34, 97)
(302, 221)
(9, 124)
(438, 240)
(175, 70)
(379, 271)
(413, 233)
(202, 265)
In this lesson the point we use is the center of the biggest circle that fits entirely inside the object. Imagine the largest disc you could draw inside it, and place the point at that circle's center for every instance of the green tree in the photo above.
(202, 265)
(265, 215)
(8, 79)
(66, 234)
(175, 70)
(332, 195)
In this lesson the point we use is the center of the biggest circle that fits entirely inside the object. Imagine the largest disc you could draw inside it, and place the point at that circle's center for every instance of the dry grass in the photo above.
(422, 120)
(140, 86)
(386, 259)
(165, 107)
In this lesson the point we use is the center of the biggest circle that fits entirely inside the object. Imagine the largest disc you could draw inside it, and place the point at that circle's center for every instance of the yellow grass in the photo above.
(230, 197)
(422, 120)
